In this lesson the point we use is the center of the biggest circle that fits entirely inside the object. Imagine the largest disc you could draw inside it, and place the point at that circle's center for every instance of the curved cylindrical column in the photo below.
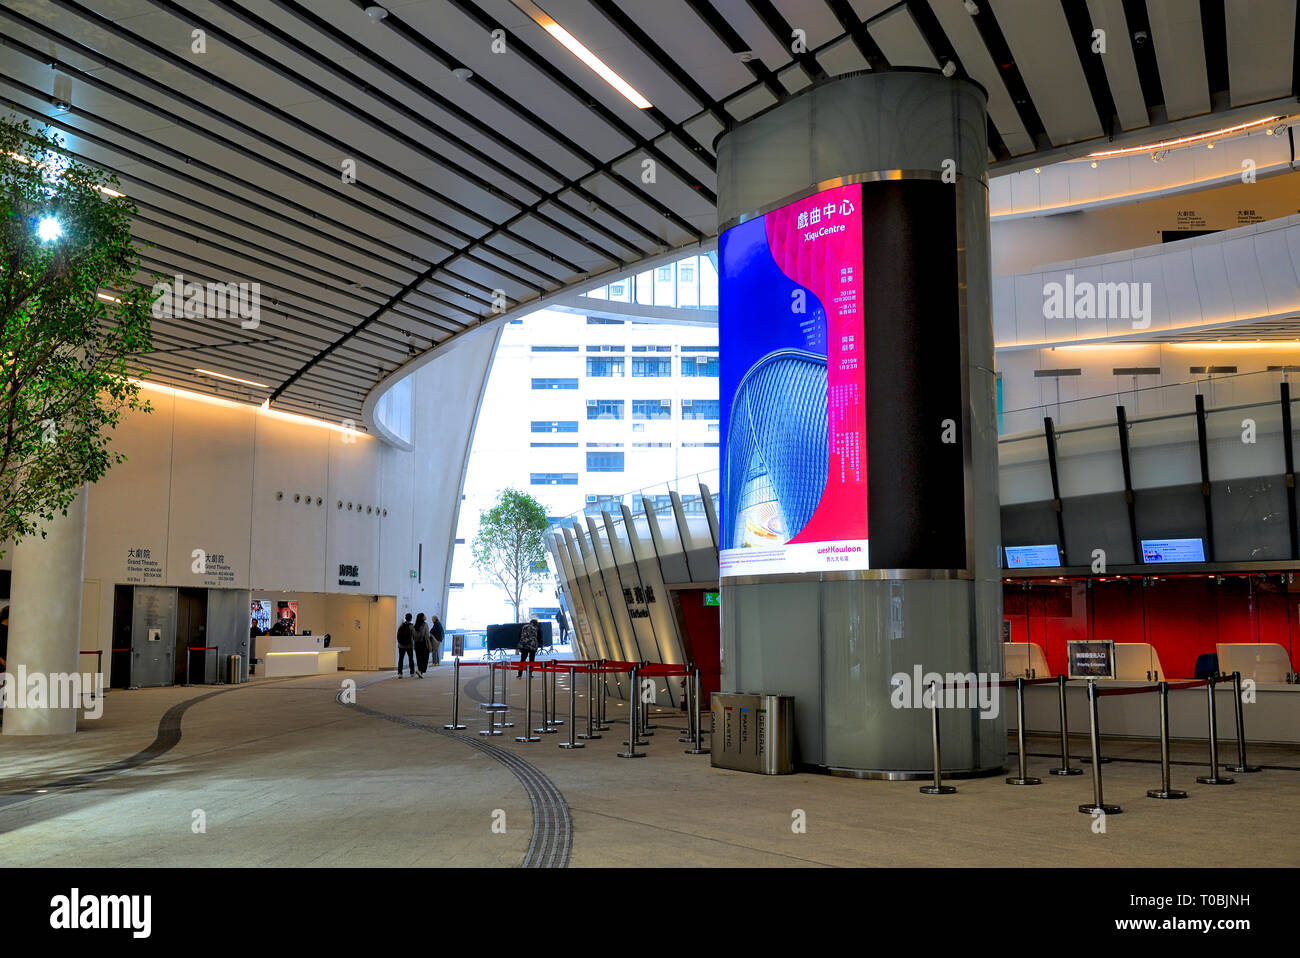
(859, 471)
(45, 621)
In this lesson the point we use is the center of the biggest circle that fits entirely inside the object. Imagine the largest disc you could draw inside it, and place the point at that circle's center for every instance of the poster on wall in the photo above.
(843, 402)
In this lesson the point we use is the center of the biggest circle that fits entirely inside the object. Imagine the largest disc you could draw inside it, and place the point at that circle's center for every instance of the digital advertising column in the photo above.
(858, 498)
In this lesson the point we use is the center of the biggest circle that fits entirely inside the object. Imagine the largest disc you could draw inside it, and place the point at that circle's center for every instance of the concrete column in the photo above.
(45, 615)
(911, 147)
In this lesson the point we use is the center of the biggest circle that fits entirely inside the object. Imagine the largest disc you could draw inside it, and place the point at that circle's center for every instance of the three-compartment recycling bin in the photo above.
(753, 733)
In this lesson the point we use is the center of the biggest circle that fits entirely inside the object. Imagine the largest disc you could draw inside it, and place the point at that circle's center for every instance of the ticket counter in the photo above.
(297, 655)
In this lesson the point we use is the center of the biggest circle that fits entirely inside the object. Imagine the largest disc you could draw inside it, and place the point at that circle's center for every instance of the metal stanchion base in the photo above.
(572, 745)
(1108, 809)
(632, 754)
(1162, 793)
(556, 722)
(634, 744)
(546, 731)
(507, 724)
(1068, 770)
(528, 738)
(1214, 780)
(602, 727)
(1242, 769)
(696, 751)
(1024, 781)
(456, 728)
(486, 732)
(937, 789)
(591, 736)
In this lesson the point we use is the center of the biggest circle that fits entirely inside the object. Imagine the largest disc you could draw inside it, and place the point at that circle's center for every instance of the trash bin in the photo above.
(753, 733)
(235, 669)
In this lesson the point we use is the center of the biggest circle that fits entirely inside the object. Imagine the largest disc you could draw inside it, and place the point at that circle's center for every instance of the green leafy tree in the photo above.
(509, 548)
(72, 314)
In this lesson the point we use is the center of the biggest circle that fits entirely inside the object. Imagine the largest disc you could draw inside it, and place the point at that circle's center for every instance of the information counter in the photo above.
(298, 655)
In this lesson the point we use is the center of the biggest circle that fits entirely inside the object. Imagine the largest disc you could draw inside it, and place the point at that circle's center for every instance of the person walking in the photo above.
(405, 645)
(563, 623)
(437, 633)
(530, 637)
(421, 640)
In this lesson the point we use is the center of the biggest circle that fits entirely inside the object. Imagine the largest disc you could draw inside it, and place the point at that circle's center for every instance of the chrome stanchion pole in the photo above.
(1241, 765)
(591, 706)
(1095, 745)
(555, 701)
(688, 734)
(697, 748)
(937, 788)
(1022, 778)
(643, 708)
(528, 711)
(547, 728)
(1214, 778)
(505, 694)
(491, 709)
(455, 698)
(1164, 791)
(1066, 768)
(632, 742)
(573, 715)
(601, 724)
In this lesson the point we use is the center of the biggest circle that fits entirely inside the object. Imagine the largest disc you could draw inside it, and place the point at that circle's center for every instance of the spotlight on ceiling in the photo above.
(48, 229)
(462, 73)
(949, 68)
(61, 107)
(376, 12)
(1094, 164)
(972, 7)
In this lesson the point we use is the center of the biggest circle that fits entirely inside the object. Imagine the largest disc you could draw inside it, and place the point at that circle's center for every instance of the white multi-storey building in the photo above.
(583, 409)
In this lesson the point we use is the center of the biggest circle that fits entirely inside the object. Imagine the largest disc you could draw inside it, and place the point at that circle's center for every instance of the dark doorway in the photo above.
(191, 633)
(120, 655)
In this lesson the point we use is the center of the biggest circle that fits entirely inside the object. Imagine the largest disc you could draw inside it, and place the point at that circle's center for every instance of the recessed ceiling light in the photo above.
(376, 12)
(574, 46)
(744, 56)
(462, 73)
(1094, 164)
(233, 379)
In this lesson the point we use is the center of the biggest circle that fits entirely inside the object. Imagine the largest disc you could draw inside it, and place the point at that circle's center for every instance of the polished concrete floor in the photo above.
(282, 773)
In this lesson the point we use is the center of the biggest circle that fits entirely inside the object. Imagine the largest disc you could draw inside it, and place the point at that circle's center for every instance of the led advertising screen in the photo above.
(1173, 550)
(841, 384)
(1032, 557)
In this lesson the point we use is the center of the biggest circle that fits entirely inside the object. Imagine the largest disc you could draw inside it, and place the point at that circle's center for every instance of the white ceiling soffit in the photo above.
(487, 179)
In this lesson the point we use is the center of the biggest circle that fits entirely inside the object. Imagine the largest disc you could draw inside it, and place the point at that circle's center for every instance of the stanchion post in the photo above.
(1241, 766)
(455, 697)
(1066, 768)
(505, 693)
(528, 711)
(555, 700)
(1164, 791)
(1094, 744)
(1023, 778)
(1214, 778)
(546, 728)
(491, 709)
(697, 748)
(591, 706)
(632, 742)
(601, 724)
(937, 787)
(643, 709)
(187, 666)
(688, 734)
(573, 714)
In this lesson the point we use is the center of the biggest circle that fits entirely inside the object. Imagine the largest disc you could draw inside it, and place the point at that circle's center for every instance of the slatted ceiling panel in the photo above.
(842, 57)
(901, 41)
(795, 78)
(960, 29)
(815, 19)
(1119, 63)
(1261, 42)
(678, 31)
(866, 9)
(1180, 53)
(747, 104)
(1040, 40)
(774, 51)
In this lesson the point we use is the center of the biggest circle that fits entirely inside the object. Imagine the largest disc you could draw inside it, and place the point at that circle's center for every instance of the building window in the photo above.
(665, 274)
(604, 462)
(597, 321)
(653, 445)
(652, 367)
(604, 409)
(554, 349)
(604, 349)
(692, 445)
(556, 445)
(700, 366)
(555, 383)
(686, 272)
(604, 445)
(701, 408)
(553, 478)
(652, 349)
(604, 367)
(555, 425)
(461, 585)
(652, 408)
(699, 349)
